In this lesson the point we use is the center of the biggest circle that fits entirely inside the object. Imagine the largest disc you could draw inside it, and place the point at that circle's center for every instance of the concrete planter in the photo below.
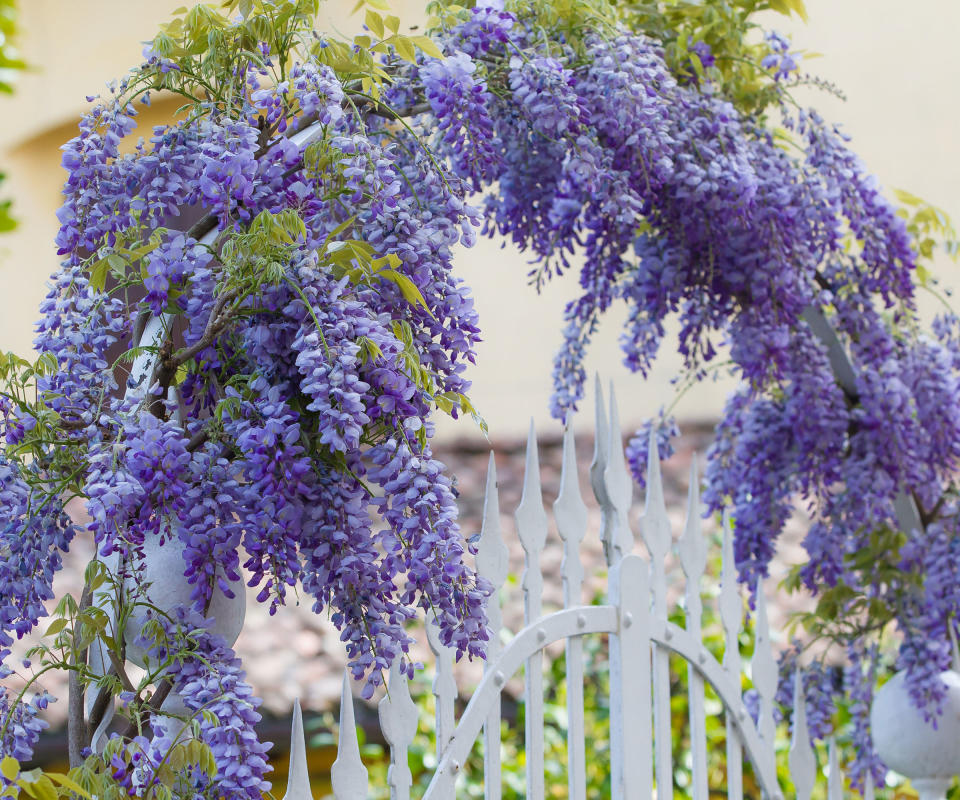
(169, 588)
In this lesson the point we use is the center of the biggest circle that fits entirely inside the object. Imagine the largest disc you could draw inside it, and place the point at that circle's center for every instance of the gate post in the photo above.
(631, 739)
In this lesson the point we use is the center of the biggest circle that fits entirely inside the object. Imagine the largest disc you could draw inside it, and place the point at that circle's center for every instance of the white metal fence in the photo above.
(641, 640)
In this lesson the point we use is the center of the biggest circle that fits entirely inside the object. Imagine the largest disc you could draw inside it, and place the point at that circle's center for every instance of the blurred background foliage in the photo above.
(10, 64)
(10, 61)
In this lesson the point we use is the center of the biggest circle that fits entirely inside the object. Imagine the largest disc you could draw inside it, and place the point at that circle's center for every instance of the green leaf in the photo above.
(389, 260)
(337, 231)
(404, 47)
(94, 570)
(781, 6)
(393, 23)
(67, 782)
(131, 355)
(42, 788)
(97, 617)
(428, 46)
(799, 8)
(87, 636)
(375, 23)
(55, 627)
(10, 768)
(177, 758)
(402, 330)
(908, 198)
(407, 288)
(161, 792)
(697, 65)
(98, 274)
(46, 364)
(369, 350)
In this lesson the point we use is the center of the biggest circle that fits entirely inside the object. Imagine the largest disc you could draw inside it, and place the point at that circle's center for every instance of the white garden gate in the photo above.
(635, 617)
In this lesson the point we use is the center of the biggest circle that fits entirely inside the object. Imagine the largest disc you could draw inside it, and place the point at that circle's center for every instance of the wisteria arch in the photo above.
(306, 341)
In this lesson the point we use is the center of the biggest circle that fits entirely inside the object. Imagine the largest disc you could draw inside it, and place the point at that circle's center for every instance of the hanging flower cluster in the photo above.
(677, 203)
(257, 385)
(207, 677)
(20, 721)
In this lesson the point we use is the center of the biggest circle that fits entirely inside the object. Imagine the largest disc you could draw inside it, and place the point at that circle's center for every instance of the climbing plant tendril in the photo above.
(301, 329)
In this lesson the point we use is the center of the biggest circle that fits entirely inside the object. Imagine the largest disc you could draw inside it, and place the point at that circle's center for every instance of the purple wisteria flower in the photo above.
(780, 61)
(460, 105)
(169, 265)
(20, 721)
(638, 447)
(207, 676)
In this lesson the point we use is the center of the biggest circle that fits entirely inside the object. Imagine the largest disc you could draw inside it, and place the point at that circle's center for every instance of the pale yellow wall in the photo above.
(896, 61)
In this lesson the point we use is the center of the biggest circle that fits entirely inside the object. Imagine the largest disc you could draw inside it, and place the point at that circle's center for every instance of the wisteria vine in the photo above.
(665, 194)
(256, 385)
(276, 266)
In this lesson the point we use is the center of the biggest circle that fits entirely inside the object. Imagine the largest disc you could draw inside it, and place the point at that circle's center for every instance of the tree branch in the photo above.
(905, 506)
(167, 362)
(99, 707)
(198, 440)
(78, 734)
(136, 724)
